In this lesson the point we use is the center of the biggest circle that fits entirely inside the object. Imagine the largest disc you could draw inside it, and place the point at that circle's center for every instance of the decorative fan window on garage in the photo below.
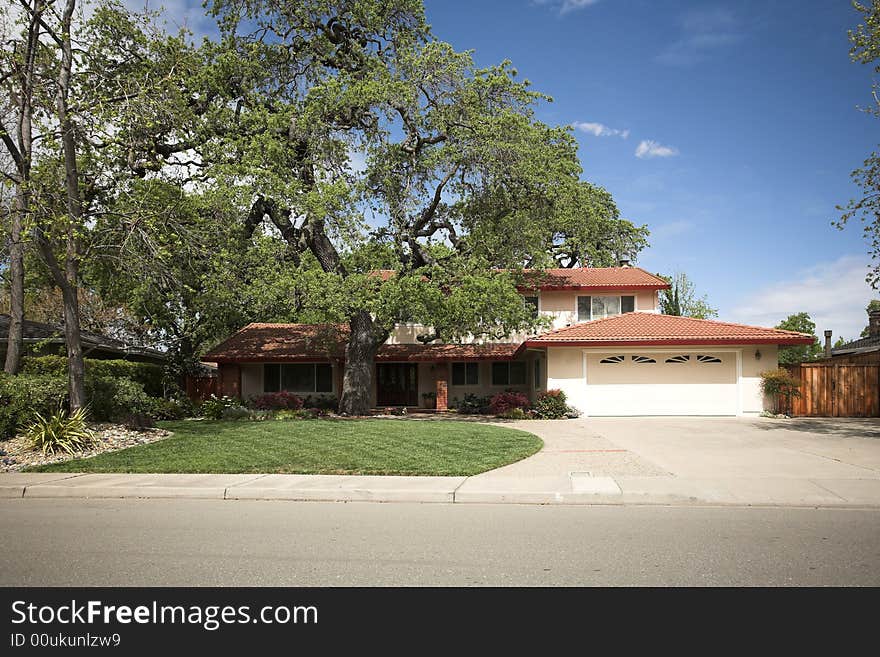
(643, 359)
(678, 359)
(703, 358)
(305, 377)
(611, 360)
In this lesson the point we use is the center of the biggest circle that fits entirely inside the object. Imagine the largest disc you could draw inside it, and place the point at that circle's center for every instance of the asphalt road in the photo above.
(195, 542)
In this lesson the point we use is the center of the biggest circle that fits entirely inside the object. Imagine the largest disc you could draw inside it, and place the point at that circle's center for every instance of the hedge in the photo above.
(23, 396)
(149, 375)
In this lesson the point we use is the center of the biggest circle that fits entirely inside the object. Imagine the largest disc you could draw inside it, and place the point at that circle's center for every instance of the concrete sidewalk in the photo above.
(668, 461)
(576, 488)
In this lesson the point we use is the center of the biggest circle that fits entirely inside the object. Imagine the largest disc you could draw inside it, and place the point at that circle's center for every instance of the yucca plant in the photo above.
(61, 432)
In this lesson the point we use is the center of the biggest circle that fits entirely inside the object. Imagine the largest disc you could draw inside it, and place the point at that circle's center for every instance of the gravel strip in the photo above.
(16, 453)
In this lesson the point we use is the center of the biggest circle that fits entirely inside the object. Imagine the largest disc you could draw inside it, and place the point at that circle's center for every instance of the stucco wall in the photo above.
(485, 387)
(559, 305)
(252, 382)
(753, 400)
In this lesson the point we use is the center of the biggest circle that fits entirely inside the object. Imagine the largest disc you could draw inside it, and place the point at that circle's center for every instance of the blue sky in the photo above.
(729, 128)
(746, 116)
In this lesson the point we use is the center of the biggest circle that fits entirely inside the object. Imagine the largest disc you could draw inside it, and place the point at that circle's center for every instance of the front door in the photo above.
(397, 384)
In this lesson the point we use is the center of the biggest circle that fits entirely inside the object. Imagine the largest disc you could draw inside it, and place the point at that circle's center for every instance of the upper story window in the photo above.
(589, 308)
(532, 303)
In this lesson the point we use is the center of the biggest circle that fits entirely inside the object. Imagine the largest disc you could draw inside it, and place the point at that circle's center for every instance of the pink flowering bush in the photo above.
(506, 401)
(278, 401)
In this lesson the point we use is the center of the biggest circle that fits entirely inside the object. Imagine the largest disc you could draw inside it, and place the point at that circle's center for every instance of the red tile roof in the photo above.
(281, 342)
(580, 278)
(448, 352)
(320, 342)
(596, 277)
(641, 328)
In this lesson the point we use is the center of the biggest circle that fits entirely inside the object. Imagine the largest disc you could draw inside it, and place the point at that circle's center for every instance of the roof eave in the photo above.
(663, 343)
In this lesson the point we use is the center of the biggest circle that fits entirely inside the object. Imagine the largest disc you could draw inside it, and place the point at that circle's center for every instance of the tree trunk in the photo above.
(16, 285)
(75, 362)
(360, 358)
(23, 162)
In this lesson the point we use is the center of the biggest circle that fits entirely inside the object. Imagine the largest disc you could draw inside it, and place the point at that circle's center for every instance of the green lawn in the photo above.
(382, 447)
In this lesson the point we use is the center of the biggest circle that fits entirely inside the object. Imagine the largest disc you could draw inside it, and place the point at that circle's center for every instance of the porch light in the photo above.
(757, 354)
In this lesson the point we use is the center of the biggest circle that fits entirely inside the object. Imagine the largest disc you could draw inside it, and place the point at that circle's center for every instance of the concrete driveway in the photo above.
(802, 462)
(748, 447)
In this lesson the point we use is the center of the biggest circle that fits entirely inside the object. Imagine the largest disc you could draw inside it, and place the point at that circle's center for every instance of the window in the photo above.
(532, 302)
(707, 359)
(508, 374)
(271, 378)
(611, 360)
(305, 377)
(537, 368)
(643, 359)
(678, 359)
(465, 374)
(589, 308)
(584, 309)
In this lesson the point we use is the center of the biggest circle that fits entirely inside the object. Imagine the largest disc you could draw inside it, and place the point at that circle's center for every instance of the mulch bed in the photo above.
(17, 453)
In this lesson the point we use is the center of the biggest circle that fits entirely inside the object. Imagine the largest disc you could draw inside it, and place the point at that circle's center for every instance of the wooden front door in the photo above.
(397, 384)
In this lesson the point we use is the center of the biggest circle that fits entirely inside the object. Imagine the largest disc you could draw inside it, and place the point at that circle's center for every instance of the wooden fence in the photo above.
(833, 389)
(199, 388)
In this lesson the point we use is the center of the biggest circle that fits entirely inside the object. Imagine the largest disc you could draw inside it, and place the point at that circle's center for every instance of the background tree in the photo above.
(801, 323)
(865, 49)
(681, 299)
(873, 305)
(20, 82)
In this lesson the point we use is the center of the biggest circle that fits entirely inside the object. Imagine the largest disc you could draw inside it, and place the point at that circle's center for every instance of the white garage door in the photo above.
(669, 383)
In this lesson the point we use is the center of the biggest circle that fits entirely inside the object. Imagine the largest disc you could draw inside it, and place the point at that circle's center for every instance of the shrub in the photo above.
(276, 401)
(235, 413)
(472, 405)
(22, 397)
(515, 414)
(59, 432)
(302, 414)
(149, 375)
(506, 401)
(324, 402)
(173, 409)
(551, 405)
(780, 383)
(121, 400)
(212, 408)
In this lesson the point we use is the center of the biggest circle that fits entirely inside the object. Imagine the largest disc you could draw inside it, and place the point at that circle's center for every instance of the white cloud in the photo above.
(566, 6)
(702, 29)
(599, 129)
(834, 293)
(648, 148)
(574, 5)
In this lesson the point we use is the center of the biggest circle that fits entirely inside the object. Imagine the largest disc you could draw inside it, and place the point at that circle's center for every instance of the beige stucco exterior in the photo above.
(731, 387)
(252, 382)
(559, 306)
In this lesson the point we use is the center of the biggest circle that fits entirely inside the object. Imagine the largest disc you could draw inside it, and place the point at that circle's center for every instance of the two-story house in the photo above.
(609, 349)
